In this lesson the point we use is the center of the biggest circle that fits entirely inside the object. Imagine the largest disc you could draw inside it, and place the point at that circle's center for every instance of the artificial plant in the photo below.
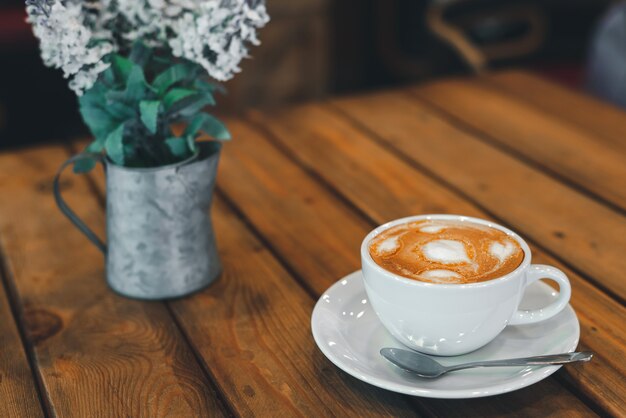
(140, 67)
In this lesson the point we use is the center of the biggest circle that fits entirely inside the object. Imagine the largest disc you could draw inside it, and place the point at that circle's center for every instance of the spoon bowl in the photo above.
(414, 362)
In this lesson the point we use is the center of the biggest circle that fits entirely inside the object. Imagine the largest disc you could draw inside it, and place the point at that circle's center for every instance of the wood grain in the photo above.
(527, 402)
(318, 236)
(344, 156)
(553, 144)
(98, 354)
(258, 341)
(18, 394)
(606, 121)
(581, 231)
(257, 344)
(289, 209)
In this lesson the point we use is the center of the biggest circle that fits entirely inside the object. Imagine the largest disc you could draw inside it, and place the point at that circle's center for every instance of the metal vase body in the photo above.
(161, 242)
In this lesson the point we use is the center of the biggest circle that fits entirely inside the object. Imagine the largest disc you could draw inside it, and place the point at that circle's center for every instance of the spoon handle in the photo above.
(528, 361)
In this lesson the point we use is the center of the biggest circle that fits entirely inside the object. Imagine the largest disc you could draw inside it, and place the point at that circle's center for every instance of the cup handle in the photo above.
(534, 273)
(71, 215)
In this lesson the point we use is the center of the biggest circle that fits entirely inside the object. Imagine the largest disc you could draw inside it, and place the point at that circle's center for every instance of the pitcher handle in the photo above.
(71, 215)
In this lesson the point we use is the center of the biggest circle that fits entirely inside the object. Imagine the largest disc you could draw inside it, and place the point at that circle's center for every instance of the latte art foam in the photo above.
(446, 251)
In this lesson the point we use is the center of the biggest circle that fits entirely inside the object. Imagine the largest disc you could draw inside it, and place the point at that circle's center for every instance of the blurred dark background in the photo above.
(315, 48)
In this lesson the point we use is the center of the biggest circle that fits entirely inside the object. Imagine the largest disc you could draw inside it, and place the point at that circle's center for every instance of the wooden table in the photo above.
(297, 191)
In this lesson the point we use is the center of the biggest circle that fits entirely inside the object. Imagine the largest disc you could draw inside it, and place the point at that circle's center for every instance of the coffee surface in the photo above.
(446, 251)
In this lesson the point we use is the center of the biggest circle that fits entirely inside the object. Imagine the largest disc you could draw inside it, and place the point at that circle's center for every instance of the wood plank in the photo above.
(356, 166)
(586, 234)
(257, 343)
(538, 404)
(606, 121)
(17, 385)
(290, 209)
(558, 147)
(318, 236)
(98, 354)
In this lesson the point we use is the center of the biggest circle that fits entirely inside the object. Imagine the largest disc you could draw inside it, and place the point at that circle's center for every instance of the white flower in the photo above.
(64, 43)
(215, 36)
(76, 35)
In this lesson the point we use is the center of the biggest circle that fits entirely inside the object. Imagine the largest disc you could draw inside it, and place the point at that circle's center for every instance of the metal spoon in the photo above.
(425, 366)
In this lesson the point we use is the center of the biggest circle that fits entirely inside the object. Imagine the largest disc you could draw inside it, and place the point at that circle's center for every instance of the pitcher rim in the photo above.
(194, 157)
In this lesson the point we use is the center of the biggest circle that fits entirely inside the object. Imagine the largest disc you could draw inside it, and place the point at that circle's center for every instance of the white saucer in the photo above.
(348, 332)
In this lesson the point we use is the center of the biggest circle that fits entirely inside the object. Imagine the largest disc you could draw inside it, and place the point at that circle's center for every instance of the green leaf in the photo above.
(171, 76)
(99, 121)
(135, 85)
(208, 124)
(130, 155)
(190, 106)
(140, 53)
(114, 145)
(191, 143)
(95, 146)
(114, 96)
(100, 113)
(135, 89)
(86, 164)
(149, 111)
(108, 76)
(122, 67)
(206, 86)
(178, 147)
(120, 111)
(194, 125)
(95, 96)
(175, 95)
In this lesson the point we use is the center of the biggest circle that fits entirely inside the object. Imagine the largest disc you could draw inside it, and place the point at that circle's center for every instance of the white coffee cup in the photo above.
(454, 319)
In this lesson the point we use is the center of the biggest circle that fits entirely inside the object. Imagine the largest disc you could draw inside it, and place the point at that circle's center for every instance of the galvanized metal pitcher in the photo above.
(160, 237)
